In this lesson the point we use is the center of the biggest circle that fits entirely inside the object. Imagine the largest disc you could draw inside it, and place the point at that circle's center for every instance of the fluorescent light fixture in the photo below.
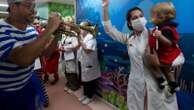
(3, 5)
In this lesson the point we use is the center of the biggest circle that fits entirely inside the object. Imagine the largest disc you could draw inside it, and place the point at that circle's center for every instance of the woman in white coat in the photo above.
(142, 91)
(90, 69)
(69, 50)
(69, 45)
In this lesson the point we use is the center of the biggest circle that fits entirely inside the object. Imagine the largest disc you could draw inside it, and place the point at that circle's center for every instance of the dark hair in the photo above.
(8, 9)
(128, 16)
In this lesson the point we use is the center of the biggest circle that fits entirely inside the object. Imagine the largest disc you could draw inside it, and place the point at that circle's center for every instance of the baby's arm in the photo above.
(165, 37)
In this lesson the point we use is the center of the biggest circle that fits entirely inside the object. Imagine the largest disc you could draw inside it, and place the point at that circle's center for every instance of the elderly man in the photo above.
(19, 47)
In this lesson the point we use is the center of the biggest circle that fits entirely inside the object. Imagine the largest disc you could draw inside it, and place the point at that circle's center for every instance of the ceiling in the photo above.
(40, 1)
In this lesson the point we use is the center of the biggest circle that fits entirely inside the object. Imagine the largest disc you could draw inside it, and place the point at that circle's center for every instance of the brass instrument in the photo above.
(93, 29)
(71, 34)
(73, 27)
(76, 28)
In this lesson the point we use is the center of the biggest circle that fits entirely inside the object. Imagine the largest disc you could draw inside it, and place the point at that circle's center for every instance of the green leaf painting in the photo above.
(64, 9)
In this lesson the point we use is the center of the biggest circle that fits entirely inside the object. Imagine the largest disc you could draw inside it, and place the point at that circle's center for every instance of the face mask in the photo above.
(139, 24)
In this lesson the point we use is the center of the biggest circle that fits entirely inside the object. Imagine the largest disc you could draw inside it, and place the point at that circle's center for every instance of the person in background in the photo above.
(142, 93)
(51, 66)
(39, 28)
(69, 45)
(42, 99)
(19, 47)
(42, 96)
(88, 60)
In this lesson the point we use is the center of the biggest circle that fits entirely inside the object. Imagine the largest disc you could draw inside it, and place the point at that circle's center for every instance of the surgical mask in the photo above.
(139, 24)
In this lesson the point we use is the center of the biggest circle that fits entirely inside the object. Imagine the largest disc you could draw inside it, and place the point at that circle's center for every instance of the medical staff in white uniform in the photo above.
(142, 93)
(88, 58)
(69, 51)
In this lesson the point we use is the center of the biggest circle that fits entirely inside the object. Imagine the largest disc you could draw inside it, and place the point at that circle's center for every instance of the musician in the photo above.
(69, 44)
(87, 56)
(19, 49)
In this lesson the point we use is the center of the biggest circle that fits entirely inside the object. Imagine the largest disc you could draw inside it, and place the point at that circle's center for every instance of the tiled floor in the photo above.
(61, 100)
(97, 104)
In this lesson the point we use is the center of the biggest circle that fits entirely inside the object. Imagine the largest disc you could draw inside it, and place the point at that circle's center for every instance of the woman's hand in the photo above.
(105, 12)
(83, 45)
(87, 51)
(61, 49)
(151, 57)
(105, 3)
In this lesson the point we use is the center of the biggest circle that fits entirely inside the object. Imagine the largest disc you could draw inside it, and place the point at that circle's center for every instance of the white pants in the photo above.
(179, 60)
(177, 65)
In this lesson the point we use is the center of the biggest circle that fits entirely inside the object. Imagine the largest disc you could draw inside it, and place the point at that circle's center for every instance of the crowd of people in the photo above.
(30, 54)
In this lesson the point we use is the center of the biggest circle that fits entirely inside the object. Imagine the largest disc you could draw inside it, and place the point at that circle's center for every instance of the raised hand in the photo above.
(105, 3)
(54, 22)
(105, 12)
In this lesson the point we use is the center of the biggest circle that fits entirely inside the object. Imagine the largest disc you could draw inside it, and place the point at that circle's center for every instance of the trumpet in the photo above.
(92, 29)
(70, 33)
(77, 29)
(73, 27)
(74, 30)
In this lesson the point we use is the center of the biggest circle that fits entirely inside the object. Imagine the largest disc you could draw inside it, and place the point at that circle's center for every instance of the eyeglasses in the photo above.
(28, 6)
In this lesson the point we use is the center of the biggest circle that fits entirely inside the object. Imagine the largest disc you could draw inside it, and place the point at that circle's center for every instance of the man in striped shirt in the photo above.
(19, 47)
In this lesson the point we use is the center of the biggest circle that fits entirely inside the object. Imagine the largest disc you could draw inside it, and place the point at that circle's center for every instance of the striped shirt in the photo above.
(14, 77)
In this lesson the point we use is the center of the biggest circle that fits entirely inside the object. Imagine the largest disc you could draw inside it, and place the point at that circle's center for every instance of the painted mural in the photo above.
(64, 9)
(113, 56)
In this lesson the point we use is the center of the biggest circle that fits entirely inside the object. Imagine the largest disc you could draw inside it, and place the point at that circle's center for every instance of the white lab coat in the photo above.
(37, 64)
(69, 44)
(140, 82)
(90, 69)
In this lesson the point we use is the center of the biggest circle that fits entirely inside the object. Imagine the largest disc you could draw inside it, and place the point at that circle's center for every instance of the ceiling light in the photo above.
(3, 5)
